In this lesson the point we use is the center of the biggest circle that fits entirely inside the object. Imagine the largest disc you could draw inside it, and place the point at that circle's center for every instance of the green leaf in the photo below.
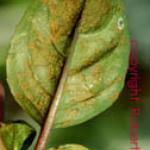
(95, 32)
(16, 136)
(70, 147)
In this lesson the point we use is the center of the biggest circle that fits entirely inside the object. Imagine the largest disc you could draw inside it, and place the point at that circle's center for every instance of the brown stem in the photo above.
(47, 128)
(48, 125)
(2, 145)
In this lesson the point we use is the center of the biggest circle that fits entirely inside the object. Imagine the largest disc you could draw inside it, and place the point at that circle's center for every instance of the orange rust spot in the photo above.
(118, 79)
(114, 96)
(19, 96)
(122, 39)
(94, 14)
(73, 113)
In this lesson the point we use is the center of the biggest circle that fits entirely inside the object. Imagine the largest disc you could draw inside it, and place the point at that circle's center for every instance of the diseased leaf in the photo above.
(70, 147)
(16, 136)
(45, 38)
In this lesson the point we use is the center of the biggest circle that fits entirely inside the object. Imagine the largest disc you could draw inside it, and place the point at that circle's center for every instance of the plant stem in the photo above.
(2, 146)
(47, 128)
(48, 125)
(49, 122)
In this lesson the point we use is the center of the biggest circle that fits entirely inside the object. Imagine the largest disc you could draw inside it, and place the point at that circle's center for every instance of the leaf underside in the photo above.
(41, 44)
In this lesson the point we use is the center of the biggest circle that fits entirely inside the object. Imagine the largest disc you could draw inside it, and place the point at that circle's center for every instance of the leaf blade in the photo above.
(100, 59)
(18, 135)
(70, 147)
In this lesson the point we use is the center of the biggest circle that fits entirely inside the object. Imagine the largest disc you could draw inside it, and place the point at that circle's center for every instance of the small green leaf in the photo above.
(95, 32)
(16, 136)
(70, 147)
